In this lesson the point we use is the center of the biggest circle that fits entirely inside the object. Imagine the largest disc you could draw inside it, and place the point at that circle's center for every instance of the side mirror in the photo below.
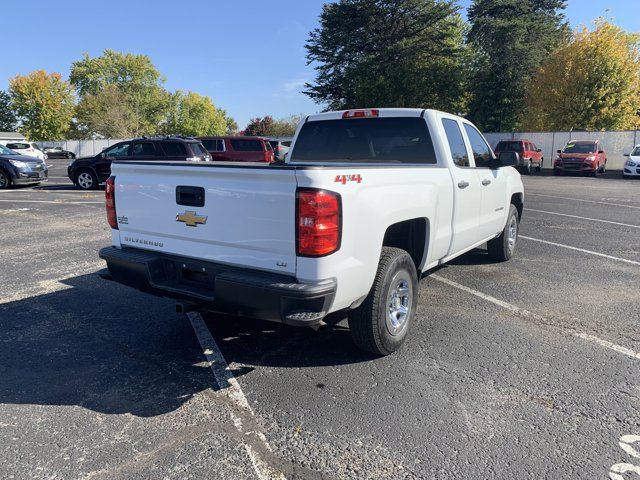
(600, 151)
(103, 155)
(508, 159)
(538, 150)
(559, 151)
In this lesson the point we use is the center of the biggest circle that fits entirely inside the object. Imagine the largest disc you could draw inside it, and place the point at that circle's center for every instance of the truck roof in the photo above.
(382, 112)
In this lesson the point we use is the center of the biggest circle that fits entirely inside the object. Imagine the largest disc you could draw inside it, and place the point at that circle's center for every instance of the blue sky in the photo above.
(248, 56)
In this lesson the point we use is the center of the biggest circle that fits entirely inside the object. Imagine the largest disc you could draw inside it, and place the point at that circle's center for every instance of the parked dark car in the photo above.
(89, 172)
(58, 152)
(17, 169)
(238, 149)
(530, 155)
(587, 157)
(280, 147)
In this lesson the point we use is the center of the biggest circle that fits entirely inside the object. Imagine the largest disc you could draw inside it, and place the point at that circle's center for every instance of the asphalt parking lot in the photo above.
(528, 370)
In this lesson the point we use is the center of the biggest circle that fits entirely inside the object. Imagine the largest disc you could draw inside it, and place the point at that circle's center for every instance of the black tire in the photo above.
(501, 248)
(5, 180)
(528, 170)
(68, 155)
(595, 171)
(371, 325)
(539, 168)
(86, 179)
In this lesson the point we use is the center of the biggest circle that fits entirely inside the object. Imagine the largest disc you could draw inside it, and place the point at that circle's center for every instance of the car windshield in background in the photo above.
(246, 145)
(636, 152)
(18, 146)
(5, 151)
(392, 140)
(509, 147)
(579, 148)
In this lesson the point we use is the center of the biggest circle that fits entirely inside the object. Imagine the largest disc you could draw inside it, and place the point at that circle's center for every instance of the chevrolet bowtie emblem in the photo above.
(191, 219)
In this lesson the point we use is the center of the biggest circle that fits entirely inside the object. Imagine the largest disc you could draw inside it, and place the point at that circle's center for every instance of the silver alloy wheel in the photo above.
(399, 301)
(85, 180)
(512, 234)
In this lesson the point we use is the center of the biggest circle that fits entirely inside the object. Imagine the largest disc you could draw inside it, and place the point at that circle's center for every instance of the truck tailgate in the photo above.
(247, 216)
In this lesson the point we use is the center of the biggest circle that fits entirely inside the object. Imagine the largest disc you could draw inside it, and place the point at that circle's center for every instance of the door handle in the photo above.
(486, 182)
(463, 184)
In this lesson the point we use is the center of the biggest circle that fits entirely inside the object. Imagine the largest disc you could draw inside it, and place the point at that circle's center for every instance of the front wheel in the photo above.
(86, 180)
(503, 247)
(381, 323)
(5, 180)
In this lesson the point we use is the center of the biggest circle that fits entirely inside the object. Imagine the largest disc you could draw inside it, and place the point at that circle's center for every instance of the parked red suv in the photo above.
(586, 156)
(530, 155)
(238, 149)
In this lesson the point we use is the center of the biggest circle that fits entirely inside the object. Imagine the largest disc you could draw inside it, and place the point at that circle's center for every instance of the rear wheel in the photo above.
(381, 323)
(503, 247)
(528, 168)
(86, 180)
(539, 168)
(5, 180)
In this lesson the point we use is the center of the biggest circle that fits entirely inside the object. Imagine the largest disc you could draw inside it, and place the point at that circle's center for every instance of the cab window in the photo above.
(481, 151)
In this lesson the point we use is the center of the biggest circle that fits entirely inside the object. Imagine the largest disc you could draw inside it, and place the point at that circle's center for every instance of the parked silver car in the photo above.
(281, 146)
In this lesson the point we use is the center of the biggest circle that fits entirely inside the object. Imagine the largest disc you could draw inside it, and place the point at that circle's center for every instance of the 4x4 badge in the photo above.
(190, 219)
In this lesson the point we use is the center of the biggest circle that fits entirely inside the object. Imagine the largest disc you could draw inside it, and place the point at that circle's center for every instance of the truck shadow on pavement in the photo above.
(114, 350)
(99, 346)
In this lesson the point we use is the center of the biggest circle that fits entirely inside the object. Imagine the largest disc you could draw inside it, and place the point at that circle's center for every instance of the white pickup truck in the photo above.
(367, 201)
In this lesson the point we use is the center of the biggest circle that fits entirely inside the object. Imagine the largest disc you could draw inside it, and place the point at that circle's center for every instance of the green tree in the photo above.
(510, 39)
(8, 120)
(232, 125)
(106, 113)
(192, 114)
(269, 127)
(388, 53)
(593, 83)
(44, 104)
(136, 78)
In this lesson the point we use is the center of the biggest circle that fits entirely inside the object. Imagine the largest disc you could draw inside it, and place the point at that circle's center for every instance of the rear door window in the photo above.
(213, 144)
(144, 149)
(242, 145)
(174, 149)
(456, 142)
(365, 140)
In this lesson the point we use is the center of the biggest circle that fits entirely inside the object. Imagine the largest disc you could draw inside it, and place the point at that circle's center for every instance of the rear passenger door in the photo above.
(467, 190)
(492, 182)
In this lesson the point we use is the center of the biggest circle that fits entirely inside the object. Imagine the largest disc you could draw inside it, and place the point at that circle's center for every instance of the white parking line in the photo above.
(527, 314)
(231, 388)
(584, 218)
(582, 200)
(590, 252)
(57, 202)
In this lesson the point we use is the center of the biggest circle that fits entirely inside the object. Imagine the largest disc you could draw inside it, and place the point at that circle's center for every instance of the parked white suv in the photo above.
(367, 201)
(27, 148)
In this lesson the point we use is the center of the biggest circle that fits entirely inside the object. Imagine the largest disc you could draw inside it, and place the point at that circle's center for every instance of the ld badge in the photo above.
(190, 219)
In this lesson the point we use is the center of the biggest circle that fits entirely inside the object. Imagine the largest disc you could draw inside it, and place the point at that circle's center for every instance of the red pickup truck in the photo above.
(238, 149)
(586, 156)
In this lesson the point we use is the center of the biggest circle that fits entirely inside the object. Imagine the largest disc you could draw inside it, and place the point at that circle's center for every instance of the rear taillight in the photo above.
(268, 156)
(110, 201)
(318, 222)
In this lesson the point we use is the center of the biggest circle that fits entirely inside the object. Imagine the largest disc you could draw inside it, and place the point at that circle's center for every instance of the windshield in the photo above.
(391, 140)
(579, 148)
(636, 152)
(5, 151)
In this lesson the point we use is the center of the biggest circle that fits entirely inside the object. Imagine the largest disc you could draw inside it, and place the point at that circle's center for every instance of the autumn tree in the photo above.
(259, 126)
(593, 83)
(388, 53)
(192, 114)
(139, 83)
(510, 39)
(8, 120)
(44, 104)
(270, 127)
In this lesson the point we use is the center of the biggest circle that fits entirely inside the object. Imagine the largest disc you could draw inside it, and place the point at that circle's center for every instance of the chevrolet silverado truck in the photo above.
(366, 203)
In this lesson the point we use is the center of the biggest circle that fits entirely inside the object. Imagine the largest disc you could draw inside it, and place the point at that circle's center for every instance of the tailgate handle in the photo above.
(190, 196)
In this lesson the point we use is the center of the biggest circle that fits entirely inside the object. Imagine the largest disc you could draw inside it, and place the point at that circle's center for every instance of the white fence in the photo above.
(616, 144)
